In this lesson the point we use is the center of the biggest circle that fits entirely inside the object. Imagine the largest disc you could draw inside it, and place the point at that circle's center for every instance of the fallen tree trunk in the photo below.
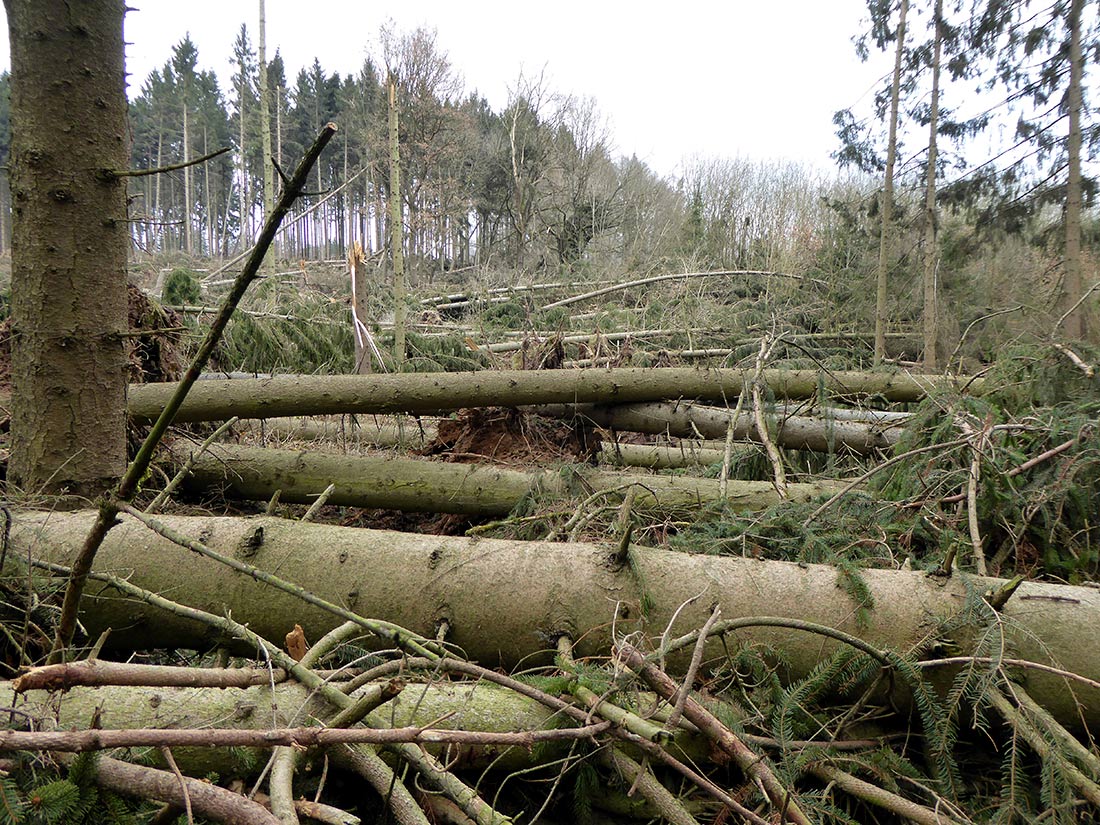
(686, 420)
(366, 431)
(420, 393)
(505, 602)
(660, 456)
(442, 705)
(414, 434)
(422, 485)
(812, 410)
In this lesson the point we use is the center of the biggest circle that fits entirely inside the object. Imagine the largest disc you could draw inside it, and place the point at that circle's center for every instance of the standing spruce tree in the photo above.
(265, 117)
(886, 206)
(150, 119)
(1041, 55)
(857, 147)
(245, 104)
(185, 58)
(69, 314)
(930, 280)
(914, 95)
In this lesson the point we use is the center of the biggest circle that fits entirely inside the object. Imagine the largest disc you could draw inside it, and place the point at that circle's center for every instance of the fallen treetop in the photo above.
(431, 392)
(505, 601)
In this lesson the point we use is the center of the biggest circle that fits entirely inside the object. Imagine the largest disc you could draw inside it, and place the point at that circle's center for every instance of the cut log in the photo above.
(686, 420)
(420, 393)
(421, 485)
(506, 601)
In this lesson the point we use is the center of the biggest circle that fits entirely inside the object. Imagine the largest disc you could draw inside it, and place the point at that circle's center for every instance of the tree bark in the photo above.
(421, 485)
(686, 420)
(503, 600)
(887, 203)
(70, 228)
(419, 393)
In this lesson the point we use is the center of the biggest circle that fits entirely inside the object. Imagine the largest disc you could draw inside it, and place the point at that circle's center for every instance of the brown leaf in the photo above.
(296, 644)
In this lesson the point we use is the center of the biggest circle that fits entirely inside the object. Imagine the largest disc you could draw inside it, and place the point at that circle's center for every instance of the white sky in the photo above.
(713, 78)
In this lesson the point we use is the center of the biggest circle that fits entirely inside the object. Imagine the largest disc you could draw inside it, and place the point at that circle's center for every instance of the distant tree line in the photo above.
(537, 185)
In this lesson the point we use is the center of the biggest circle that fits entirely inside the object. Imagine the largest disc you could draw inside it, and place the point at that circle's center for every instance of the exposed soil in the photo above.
(504, 435)
(158, 354)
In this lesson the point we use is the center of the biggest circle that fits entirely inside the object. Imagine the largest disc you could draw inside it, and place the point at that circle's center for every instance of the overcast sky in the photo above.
(722, 78)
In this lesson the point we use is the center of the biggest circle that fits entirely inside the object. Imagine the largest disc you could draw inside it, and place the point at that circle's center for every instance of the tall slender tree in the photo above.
(5, 152)
(397, 253)
(1072, 294)
(886, 208)
(1039, 57)
(185, 58)
(265, 117)
(245, 105)
(931, 316)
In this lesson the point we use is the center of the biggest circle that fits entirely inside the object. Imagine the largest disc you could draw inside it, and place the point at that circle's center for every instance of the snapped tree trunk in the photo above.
(421, 393)
(505, 601)
(70, 237)
(421, 485)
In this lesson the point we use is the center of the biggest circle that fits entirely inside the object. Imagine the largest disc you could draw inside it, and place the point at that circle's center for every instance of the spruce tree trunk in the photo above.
(187, 189)
(265, 118)
(421, 393)
(1074, 325)
(685, 420)
(156, 190)
(397, 231)
(447, 706)
(931, 252)
(246, 206)
(886, 210)
(421, 485)
(70, 236)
